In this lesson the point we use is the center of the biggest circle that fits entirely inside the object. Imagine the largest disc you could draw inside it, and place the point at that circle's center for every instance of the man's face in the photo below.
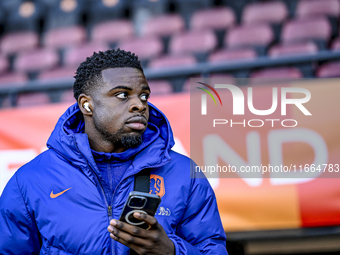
(120, 109)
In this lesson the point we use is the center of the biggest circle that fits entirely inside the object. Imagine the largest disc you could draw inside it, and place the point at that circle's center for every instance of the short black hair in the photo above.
(89, 71)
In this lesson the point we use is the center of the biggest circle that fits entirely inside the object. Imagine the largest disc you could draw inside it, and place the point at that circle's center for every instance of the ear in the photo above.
(84, 100)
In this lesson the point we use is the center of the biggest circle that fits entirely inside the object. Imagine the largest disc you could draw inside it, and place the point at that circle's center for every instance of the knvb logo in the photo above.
(238, 99)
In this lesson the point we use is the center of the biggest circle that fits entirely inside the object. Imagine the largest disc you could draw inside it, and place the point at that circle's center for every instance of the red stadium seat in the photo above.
(37, 98)
(160, 87)
(144, 47)
(249, 36)
(278, 73)
(163, 25)
(230, 55)
(216, 18)
(36, 60)
(20, 41)
(312, 8)
(317, 28)
(336, 44)
(265, 12)
(76, 55)
(59, 73)
(193, 41)
(328, 70)
(66, 36)
(172, 61)
(293, 49)
(4, 65)
(112, 31)
(15, 78)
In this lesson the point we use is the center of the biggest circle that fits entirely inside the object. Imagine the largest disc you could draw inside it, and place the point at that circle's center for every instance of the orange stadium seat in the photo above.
(19, 41)
(64, 36)
(213, 18)
(173, 61)
(203, 41)
(234, 54)
(312, 8)
(299, 30)
(265, 12)
(328, 70)
(293, 49)
(144, 47)
(112, 31)
(36, 60)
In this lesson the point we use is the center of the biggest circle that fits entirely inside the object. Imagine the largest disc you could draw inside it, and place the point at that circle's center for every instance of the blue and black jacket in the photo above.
(56, 204)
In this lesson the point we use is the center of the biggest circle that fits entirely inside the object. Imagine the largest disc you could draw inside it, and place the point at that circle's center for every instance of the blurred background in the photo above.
(42, 42)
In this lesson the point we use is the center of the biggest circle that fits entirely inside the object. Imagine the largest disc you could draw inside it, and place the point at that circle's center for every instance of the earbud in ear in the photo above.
(86, 106)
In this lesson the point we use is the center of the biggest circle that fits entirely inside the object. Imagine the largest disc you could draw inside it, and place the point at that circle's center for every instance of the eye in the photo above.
(144, 97)
(122, 95)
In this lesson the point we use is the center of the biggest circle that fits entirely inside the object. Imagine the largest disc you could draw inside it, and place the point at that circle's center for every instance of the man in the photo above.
(69, 198)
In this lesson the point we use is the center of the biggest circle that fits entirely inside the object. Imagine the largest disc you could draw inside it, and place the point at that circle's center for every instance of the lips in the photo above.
(136, 123)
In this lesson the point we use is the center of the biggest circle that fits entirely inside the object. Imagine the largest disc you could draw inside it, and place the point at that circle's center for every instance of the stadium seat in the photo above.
(112, 31)
(328, 70)
(299, 30)
(67, 97)
(230, 55)
(25, 17)
(172, 61)
(264, 12)
(145, 47)
(163, 25)
(58, 73)
(312, 8)
(12, 78)
(37, 60)
(19, 41)
(65, 13)
(193, 42)
(336, 44)
(64, 36)
(249, 36)
(4, 65)
(278, 73)
(213, 18)
(293, 49)
(160, 87)
(75, 55)
(105, 10)
(36, 98)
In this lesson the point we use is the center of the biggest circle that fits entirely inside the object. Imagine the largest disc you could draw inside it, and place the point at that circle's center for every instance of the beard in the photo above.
(119, 138)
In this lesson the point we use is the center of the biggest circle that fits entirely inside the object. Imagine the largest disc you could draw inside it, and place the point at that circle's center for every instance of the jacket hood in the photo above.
(69, 140)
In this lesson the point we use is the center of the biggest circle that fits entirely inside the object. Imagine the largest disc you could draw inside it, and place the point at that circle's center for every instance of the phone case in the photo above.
(149, 207)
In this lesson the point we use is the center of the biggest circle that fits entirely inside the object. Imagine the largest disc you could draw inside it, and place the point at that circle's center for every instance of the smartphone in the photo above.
(139, 202)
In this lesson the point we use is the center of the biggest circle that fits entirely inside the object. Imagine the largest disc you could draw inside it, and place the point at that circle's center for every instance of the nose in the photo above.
(137, 105)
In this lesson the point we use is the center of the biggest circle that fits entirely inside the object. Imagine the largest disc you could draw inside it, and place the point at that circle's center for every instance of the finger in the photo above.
(132, 230)
(130, 245)
(147, 218)
(122, 236)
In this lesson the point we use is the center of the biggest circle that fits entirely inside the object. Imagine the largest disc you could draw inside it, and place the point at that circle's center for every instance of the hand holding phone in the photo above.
(139, 202)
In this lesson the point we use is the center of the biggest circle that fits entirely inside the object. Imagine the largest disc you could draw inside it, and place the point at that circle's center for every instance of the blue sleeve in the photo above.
(200, 230)
(19, 234)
